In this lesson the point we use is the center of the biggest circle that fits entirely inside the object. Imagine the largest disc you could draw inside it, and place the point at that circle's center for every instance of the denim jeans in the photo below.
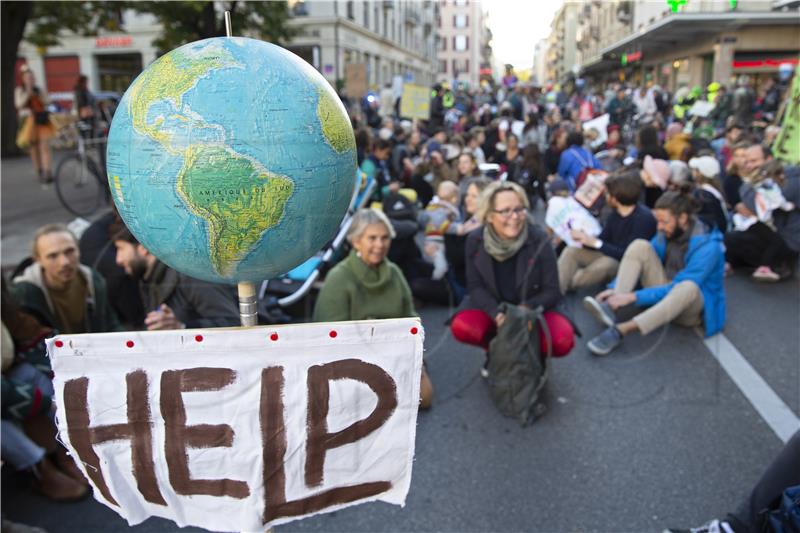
(17, 448)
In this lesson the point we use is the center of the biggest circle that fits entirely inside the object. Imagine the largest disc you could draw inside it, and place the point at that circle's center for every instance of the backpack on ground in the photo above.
(517, 368)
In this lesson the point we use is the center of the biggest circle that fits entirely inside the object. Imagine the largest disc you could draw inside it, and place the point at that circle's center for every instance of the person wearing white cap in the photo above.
(705, 171)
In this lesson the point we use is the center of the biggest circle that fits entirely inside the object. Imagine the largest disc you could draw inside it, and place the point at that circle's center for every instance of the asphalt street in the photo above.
(655, 435)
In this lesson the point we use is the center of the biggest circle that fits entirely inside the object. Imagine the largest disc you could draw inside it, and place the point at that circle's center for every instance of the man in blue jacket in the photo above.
(681, 272)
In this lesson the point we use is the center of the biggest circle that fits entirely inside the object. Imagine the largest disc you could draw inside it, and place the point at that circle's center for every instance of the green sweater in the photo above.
(355, 291)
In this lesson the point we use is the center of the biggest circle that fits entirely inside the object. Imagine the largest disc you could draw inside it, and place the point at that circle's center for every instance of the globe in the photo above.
(231, 160)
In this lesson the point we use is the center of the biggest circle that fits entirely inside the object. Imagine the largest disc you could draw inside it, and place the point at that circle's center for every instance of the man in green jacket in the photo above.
(59, 291)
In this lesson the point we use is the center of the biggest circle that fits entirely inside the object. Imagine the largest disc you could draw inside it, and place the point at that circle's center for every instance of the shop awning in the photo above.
(679, 29)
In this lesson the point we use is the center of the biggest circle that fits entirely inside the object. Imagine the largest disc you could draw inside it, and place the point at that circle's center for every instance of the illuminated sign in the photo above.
(113, 42)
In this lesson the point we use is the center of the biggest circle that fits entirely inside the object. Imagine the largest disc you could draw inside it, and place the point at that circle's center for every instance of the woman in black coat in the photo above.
(509, 260)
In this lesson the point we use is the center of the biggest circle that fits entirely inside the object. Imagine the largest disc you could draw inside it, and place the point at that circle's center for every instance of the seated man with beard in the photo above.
(174, 300)
(681, 273)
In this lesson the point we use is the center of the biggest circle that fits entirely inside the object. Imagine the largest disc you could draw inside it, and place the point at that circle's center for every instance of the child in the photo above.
(768, 197)
(441, 216)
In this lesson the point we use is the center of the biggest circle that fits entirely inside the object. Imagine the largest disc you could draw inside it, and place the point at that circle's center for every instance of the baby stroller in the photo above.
(283, 293)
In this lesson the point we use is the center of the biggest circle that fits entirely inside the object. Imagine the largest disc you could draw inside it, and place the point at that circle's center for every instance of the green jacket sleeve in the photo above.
(333, 302)
(105, 319)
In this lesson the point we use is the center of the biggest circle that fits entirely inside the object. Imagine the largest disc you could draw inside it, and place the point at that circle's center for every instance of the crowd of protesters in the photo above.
(455, 220)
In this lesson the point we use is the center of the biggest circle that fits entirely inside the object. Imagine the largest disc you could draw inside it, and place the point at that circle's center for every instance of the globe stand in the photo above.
(248, 313)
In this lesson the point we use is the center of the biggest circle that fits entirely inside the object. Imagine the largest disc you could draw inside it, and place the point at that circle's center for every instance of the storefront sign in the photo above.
(122, 41)
(238, 429)
(630, 58)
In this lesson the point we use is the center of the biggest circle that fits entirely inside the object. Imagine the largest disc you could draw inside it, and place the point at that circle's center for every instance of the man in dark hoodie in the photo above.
(174, 300)
(60, 292)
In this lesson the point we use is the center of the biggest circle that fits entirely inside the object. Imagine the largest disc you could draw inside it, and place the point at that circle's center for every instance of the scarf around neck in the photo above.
(501, 249)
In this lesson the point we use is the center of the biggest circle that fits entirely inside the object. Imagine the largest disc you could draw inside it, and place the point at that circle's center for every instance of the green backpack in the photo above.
(517, 368)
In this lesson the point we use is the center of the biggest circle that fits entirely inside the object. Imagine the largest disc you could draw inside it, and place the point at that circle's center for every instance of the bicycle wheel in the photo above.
(78, 186)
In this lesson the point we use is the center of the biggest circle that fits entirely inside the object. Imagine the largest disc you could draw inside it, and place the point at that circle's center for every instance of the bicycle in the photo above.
(80, 180)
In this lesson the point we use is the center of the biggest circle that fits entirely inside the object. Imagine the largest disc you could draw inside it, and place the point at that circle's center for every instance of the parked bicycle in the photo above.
(80, 180)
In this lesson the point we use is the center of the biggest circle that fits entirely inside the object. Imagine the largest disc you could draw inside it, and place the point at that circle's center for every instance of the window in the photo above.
(350, 14)
(460, 21)
(460, 43)
(466, 66)
(444, 45)
(455, 67)
(461, 3)
(443, 66)
(366, 14)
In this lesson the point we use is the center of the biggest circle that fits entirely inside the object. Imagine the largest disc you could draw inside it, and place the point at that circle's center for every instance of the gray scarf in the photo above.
(501, 249)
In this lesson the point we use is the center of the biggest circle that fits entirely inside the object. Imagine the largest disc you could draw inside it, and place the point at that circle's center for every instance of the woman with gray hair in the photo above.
(366, 285)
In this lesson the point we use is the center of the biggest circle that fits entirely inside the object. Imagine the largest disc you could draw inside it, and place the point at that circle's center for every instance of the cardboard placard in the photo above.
(355, 80)
(415, 102)
(241, 429)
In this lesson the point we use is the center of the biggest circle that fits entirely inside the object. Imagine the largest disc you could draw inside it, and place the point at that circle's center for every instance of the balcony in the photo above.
(412, 18)
(388, 4)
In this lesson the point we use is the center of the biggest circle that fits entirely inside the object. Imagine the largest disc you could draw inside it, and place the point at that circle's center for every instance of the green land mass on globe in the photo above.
(335, 127)
(239, 208)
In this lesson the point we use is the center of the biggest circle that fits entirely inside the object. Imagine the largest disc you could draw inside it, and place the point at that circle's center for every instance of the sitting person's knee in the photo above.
(638, 247)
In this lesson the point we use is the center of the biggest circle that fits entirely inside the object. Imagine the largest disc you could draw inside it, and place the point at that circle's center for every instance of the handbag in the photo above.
(24, 133)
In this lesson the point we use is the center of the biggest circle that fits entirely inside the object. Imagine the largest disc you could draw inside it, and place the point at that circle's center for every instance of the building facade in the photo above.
(389, 37)
(561, 45)
(703, 42)
(540, 75)
(110, 60)
(462, 42)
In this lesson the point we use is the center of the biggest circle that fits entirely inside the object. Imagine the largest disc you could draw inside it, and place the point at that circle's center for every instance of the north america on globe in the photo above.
(231, 159)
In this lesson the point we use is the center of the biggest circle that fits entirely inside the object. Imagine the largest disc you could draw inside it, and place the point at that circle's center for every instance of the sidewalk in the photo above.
(24, 207)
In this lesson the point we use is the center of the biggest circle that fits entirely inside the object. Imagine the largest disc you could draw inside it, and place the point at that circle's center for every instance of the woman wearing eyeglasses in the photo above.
(509, 260)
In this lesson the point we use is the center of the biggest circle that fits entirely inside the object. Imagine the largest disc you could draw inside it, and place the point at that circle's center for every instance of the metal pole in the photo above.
(228, 30)
(248, 313)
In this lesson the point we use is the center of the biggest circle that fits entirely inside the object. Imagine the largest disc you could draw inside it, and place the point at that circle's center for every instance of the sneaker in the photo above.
(765, 273)
(602, 312)
(714, 526)
(606, 342)
(485, 368)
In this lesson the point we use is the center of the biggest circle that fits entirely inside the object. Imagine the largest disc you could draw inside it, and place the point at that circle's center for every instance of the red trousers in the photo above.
(475, 327)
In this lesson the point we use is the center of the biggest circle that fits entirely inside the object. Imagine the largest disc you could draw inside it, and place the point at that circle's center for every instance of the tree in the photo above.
(41, 23)
(187, 21)
(46, 21)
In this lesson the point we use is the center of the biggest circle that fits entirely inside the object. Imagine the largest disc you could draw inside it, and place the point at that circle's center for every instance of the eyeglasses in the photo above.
(506, 213)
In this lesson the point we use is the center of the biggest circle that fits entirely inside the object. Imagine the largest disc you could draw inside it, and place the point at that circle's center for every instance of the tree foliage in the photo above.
(187, 21)
(43, 23)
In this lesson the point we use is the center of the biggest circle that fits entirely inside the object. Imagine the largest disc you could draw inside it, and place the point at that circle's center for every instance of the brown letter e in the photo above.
(137, 429)
(179, 436)
(319, 441)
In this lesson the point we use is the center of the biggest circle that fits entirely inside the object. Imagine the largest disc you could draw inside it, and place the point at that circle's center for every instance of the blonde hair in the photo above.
(486, 200)
(367, 217)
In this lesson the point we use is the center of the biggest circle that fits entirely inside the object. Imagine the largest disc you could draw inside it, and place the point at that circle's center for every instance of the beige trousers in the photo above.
(683, 304)
(584, 267)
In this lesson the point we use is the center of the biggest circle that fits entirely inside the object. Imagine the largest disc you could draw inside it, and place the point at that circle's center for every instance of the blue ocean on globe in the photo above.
(231, 160)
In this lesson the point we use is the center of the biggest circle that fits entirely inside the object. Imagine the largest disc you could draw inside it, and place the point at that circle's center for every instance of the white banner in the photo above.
(240, 429)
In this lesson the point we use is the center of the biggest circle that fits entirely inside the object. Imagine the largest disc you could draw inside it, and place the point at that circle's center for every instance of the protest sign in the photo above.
(415, 102)
(241, 429)
(600, 125)
(355, 80)
(566, 214)
(787, 144)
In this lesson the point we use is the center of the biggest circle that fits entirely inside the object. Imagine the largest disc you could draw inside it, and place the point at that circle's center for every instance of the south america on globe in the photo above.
(231, 160)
